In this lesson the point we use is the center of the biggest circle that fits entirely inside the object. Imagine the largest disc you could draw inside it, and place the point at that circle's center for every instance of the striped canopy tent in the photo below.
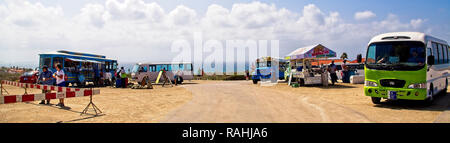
(313, 51)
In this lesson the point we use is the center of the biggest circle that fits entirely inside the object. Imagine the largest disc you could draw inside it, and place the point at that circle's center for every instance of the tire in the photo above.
(429, 100)
(255, 81)
(446, 87)
(302, 82)
(376, 100)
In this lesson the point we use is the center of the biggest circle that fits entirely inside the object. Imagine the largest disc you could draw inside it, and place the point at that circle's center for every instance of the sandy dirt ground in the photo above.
(229, 101)
(118, 106)
(244, 102)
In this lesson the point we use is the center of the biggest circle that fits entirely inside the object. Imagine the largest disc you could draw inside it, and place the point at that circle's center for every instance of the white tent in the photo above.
(313, 51)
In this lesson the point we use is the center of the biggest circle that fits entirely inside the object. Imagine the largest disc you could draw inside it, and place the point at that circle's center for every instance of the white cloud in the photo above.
(134, 30)
(182, 15)
(417, 23)
(364, 15)
(134, 10)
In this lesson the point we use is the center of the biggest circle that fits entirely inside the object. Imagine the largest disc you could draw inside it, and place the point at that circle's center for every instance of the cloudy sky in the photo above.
(143, 30)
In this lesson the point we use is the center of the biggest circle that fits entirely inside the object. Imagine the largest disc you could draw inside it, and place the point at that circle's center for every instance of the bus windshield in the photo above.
(264, 64)
(405, 55)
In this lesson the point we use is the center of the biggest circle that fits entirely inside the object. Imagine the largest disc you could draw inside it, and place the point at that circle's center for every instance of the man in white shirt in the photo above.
(59, 75)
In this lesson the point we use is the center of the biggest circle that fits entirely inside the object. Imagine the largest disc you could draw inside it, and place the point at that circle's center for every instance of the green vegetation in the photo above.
(5, 75)
(9, 76)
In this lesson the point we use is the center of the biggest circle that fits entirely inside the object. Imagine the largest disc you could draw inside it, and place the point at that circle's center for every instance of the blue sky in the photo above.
(30, 27)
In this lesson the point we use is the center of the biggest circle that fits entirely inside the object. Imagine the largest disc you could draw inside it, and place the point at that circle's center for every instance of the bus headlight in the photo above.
(370, 83)
(418, 85)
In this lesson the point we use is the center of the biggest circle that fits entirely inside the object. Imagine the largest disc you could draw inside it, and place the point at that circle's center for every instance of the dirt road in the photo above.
(240, 101)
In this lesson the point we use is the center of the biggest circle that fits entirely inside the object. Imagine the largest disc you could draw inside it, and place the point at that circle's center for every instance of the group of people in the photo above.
(47, 77)
(121, 77)
(332, 68)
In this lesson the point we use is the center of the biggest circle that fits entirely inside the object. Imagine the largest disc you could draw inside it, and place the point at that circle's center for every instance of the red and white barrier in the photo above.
(62, 92)
(44, 87)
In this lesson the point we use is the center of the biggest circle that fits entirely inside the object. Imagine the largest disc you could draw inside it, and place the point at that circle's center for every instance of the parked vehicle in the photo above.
(354, 68)
(266, 67)
(406, 66)
(79, 68)
(176, 71)
(29, 77)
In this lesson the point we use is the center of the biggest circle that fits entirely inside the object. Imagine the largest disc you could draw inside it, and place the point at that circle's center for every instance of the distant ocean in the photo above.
(128, 66)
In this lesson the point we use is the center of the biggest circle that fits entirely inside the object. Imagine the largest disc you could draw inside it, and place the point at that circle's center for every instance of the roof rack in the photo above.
(81, 54)
(395, 37)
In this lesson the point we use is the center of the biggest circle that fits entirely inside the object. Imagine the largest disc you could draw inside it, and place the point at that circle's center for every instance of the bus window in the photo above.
(181, 67)
(143, 69)
(158, 67)
(448, 54)
(70, 66)
(46, 61)
(114, 64)
(441, 54)
(175, 67)
(58, 60)
(107, 66)
(152, 68)
(164, 67)
(444, 54)
(169, 67)
(188, 67)
(435, 53)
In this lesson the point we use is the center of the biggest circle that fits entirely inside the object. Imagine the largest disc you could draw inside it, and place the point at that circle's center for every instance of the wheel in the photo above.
(302, 82)
(429, 100)
(376, 100)
(446, 87)
(255, 81)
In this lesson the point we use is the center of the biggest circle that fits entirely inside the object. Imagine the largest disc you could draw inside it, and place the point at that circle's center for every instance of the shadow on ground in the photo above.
(80, 119)
(90, 115)
(336, 86)
(441, 103)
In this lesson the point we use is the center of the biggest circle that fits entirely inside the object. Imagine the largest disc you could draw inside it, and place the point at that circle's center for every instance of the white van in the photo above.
(176, 71)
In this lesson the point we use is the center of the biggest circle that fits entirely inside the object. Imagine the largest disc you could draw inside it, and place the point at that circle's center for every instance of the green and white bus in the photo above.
(406, 66)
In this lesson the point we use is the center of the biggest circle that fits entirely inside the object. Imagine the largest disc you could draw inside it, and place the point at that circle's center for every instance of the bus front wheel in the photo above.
(429, 100)
(446, 87)
(376, 100)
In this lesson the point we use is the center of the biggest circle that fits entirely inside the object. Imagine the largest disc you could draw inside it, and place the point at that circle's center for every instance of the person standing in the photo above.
(59, 75)
(45, 78)
(166, 79)
(247, 75)
(345, 77)
(332, 69)
(123, 75)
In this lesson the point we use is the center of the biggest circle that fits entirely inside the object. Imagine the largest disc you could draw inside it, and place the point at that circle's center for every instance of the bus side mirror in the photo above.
(430, 60)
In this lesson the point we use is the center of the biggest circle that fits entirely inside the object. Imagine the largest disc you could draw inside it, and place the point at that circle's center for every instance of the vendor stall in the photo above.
(304, 68)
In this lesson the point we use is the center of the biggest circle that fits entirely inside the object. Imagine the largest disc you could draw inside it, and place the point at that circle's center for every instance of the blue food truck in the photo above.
(79, 68)
(266, 67)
